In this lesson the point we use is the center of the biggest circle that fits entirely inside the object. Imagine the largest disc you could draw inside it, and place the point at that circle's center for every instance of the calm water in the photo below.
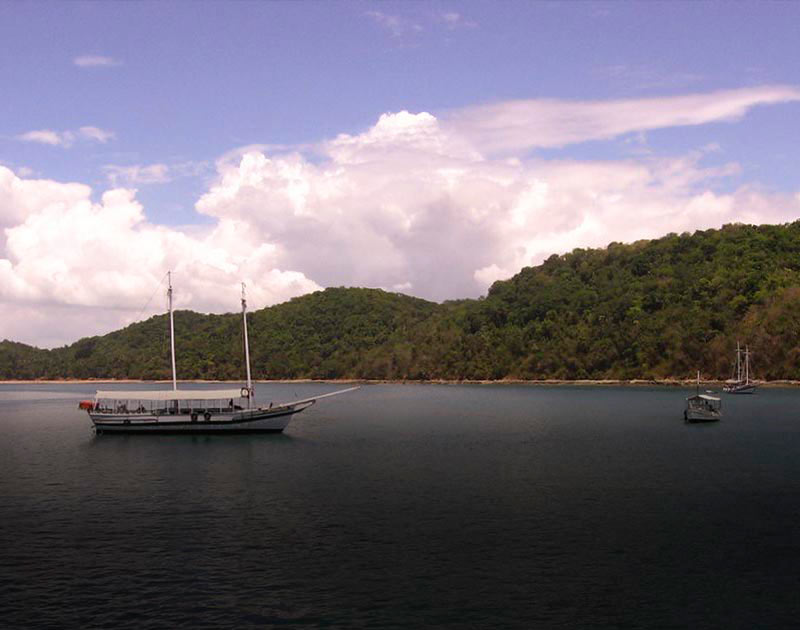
(408, 506)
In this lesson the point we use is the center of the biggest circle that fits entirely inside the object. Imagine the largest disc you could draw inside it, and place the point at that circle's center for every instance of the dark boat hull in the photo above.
(740, 389)
(256, 421)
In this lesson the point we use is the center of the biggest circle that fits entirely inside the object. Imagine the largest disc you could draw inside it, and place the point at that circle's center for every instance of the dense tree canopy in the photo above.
(651, 309)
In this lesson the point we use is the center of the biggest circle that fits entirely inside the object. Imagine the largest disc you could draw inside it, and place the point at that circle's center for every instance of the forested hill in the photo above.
(651, 309)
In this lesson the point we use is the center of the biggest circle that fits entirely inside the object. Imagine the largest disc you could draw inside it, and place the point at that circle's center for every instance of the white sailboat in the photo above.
(742, 383)
(193, 411)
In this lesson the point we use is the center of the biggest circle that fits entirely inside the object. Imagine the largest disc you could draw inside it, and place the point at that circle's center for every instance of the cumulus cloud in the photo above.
(95, 61)
(414, 203)
(60, 250)
(410, 203)
(67, 138)
(526, 124)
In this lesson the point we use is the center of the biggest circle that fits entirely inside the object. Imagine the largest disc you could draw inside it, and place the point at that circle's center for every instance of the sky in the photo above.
(427, 148)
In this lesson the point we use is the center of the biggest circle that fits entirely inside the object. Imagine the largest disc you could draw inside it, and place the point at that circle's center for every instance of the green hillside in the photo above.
(651, 309)
(654, 309)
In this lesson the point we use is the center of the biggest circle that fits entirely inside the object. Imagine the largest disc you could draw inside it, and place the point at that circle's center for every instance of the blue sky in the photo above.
(162, 97)
(195, 80)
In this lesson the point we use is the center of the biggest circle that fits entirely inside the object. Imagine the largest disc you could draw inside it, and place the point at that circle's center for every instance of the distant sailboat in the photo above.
(742, 383)
(192, 411)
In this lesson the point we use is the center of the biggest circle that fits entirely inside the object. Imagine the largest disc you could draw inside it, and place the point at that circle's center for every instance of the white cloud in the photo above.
(67, 138)
(591, 204)
(94, 61)
(520, 125)
(101, 261)
(413, 203)
(159, 173)
(20, 198)
(94, 133)
(137, 174)
(410, 202)
(43, 136)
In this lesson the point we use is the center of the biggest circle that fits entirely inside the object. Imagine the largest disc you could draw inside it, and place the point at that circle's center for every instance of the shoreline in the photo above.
(667, 382)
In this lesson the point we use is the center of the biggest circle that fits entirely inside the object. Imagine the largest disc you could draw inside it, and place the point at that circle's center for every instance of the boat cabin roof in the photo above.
(196, 394)
(703, 397)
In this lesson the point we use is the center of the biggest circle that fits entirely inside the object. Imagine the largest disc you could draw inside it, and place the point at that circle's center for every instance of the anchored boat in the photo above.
(702, 407)
(742, 383)
(193, 411)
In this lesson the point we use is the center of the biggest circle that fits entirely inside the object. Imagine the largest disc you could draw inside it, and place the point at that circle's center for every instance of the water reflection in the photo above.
(196, 439)
(460, 506)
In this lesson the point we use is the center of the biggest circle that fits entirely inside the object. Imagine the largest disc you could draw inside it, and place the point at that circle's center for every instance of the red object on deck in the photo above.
(86, 404)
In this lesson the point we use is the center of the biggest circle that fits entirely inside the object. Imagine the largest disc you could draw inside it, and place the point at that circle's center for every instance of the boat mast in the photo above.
(746, 365)
(738, 363)
(246, 347)
(171, 332)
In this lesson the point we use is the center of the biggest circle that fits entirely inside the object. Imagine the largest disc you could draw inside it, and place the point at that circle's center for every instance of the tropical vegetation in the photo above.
(647, 310)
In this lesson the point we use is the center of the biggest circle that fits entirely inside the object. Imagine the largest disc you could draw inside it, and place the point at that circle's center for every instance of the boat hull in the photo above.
(251, 421)
(695, 415)
(739, 389)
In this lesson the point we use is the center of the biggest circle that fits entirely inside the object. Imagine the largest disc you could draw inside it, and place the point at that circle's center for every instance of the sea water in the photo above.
(407, 506)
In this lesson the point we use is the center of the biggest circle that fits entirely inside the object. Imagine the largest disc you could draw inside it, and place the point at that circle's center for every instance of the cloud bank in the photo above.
(72, 267)
(415, 203)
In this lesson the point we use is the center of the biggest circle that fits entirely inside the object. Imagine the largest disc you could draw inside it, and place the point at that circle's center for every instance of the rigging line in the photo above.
(150, 299)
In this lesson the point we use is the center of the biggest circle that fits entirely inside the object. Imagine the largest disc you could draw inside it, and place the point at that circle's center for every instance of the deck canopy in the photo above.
(186, 394)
